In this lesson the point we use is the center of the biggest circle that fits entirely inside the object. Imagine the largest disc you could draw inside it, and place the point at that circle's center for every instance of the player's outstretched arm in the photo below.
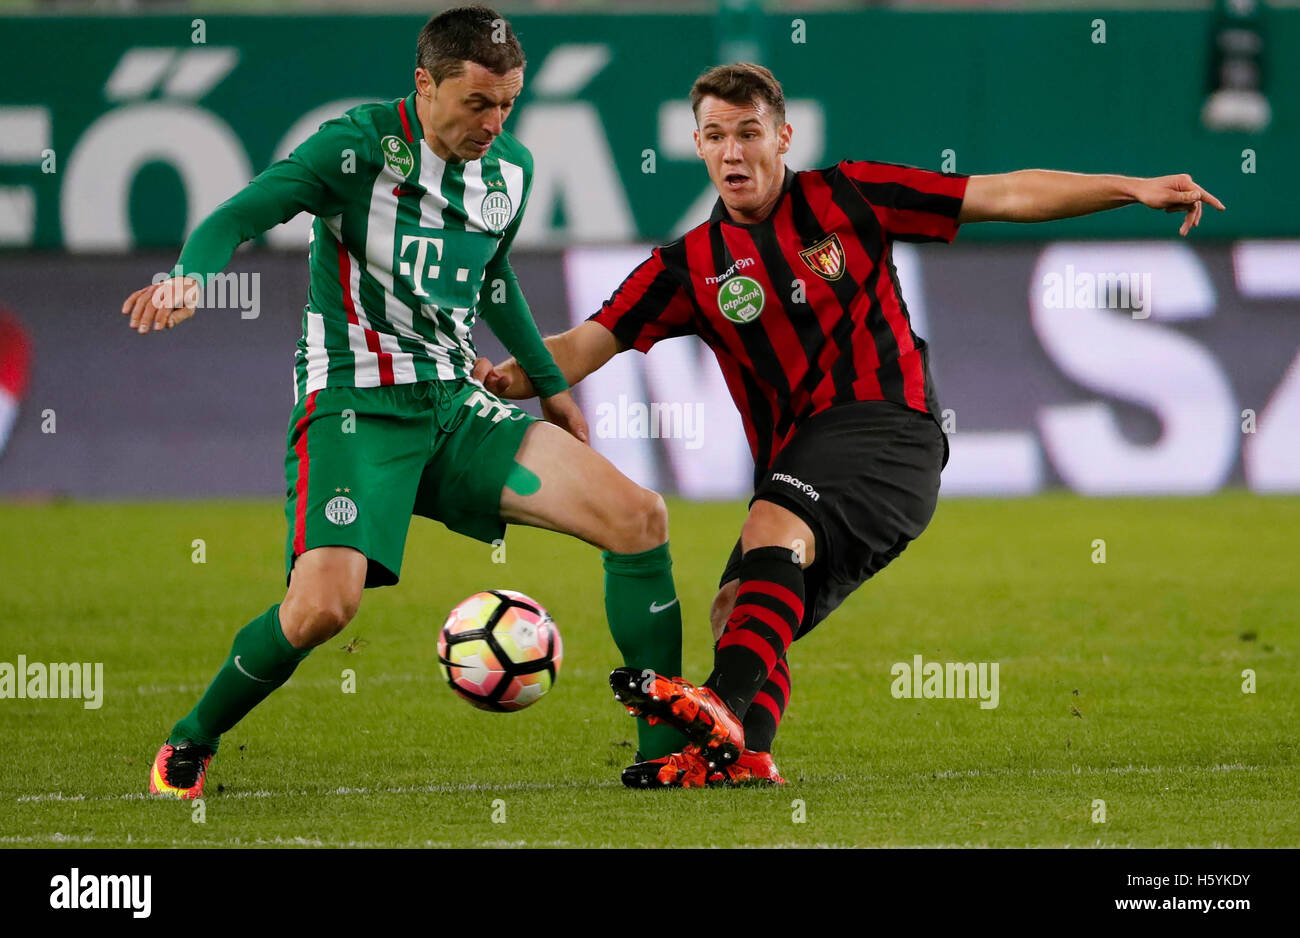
(578, 353)
(311, 179)
(274, 197)
(1031, 195)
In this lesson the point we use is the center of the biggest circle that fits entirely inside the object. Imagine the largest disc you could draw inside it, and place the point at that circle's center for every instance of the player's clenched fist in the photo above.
(162, 305)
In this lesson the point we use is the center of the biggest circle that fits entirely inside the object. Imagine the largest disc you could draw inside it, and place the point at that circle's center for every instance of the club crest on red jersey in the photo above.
(825, 258)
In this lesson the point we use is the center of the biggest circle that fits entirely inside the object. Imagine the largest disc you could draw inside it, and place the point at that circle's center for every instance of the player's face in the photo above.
(463, 115)
(742, 147)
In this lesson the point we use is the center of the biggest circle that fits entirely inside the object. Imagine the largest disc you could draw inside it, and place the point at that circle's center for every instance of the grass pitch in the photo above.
(1120, 682)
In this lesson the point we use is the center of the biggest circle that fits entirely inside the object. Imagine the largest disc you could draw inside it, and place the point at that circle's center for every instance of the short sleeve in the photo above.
(912, 204)
(651, 304)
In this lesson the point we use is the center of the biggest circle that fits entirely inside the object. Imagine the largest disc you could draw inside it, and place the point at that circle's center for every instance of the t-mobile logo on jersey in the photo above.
(418, 269)
(797, 483)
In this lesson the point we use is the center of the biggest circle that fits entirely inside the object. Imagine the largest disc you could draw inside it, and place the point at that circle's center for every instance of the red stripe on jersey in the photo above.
(922, 180)
(752, 641)
(731, 354)
(769, 618)
(626, 298)
(899, 220)
(732, 375)
(909, 359)
(406, 124)
(304, 469)
(866, 360)
(825, 305)
(919, 224)
(776, 324)
(372, 337)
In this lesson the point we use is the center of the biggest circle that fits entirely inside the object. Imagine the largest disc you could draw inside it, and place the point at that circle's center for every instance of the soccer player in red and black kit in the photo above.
(791, 284)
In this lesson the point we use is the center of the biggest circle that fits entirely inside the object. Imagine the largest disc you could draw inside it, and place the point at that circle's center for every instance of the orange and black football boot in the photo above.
(685, 769)
(179, 771)
(697, 711)
(752, 768)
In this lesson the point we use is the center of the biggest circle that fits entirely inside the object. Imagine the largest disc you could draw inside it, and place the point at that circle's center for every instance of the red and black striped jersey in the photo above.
(803, 310)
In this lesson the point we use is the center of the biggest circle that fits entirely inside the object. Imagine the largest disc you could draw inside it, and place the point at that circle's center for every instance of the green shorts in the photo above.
(362, 461)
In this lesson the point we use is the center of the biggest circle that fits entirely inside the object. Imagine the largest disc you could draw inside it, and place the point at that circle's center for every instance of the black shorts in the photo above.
(865, 477)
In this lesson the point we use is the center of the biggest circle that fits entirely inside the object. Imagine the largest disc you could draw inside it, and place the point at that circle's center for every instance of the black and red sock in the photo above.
(764, 715)
(763, 623)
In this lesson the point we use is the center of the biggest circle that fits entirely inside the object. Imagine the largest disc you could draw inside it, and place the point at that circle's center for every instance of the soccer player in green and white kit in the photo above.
(417, 202)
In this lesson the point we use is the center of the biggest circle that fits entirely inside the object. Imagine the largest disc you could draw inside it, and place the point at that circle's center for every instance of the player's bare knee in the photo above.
(308, 621)
(634, 520)
(656, 519)
(769, 525)
(645, 523)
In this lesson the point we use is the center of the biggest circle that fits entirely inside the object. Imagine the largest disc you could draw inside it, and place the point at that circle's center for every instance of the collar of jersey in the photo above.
(416, 130)
(720, 213)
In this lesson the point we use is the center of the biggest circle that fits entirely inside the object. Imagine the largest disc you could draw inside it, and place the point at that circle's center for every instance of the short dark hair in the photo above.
(740, 83)
(467, 34)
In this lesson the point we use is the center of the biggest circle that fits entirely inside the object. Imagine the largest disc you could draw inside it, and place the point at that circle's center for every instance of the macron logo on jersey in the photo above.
(740, 264)
(797, 483)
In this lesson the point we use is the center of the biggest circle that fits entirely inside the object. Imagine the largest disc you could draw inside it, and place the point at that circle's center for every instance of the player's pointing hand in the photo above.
(1178, 193)
(162, 305)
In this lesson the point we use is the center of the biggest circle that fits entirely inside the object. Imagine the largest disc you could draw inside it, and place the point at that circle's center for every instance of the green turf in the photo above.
(1118, 681)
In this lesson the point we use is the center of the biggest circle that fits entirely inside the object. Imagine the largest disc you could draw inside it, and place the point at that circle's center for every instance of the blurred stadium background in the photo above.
(122, 124)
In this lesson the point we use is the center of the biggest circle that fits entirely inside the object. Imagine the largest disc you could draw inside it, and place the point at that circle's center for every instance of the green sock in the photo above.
(260, 660)
(645, 619)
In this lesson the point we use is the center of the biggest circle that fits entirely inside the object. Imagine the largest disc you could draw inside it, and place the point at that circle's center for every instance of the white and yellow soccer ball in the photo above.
(500, 650)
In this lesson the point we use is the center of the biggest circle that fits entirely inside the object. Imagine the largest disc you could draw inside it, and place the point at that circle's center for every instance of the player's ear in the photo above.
(424, 83)
(783, 139)
(699, 151)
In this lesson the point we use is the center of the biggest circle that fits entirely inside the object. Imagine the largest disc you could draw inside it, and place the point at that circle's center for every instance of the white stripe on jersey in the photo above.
(462, 336)
(475, 193)
(381, 255)
(318, 360)
(514, 177)
(431, 203)
(365, 363)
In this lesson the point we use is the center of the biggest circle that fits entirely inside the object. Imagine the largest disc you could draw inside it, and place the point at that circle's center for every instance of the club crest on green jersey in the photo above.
(397, 155)
(741, 299)
(496, 210)
(341, 510)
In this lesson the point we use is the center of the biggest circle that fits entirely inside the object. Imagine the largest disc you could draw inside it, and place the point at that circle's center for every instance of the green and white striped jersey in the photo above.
(402, 244)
